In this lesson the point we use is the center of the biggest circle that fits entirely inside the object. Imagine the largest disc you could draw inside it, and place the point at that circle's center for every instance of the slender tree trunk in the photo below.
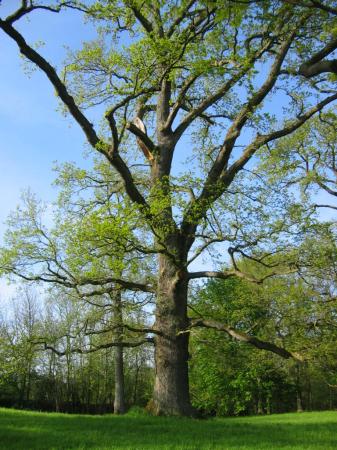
(330, 399)
(259, 406)
(171, 388)
(68, 362)
(299, 405)
(119, 401)
(135, 390)
(28, 386)
(22, 390)
(309, 393)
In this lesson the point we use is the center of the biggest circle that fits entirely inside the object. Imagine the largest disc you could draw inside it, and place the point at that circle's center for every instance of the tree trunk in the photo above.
(119, 401)
(299, 405)
(309, 393)
(268, 405)
(259, 406)
(135, 390)
(171, 389)
(28, 385)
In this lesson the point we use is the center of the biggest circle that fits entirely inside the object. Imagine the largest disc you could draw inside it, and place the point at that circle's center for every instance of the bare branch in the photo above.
(74, 283)
(180, 18)
(220, 93)
(325, 206)
(317, 64)
(224, 275)
(126, 326)
(203, 247)
(61, 89)
(146, 24)
(113, 157)
(46, 346)
(212, 188)
(26, 9)
(323, 6)
(243, 337)
(261, 140)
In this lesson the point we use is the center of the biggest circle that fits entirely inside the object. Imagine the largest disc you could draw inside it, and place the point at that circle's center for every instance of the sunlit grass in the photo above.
(31, 430)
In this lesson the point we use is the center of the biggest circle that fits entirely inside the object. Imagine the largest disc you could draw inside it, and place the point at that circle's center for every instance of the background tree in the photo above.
(229, 378)
(73, 382)
(91, 314)
(19, 357)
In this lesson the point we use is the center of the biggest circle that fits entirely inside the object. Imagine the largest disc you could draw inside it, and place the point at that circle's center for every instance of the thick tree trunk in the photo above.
(171, 388)
(119, 401)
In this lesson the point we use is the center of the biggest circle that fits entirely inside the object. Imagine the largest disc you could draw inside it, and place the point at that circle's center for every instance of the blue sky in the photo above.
(33, 134)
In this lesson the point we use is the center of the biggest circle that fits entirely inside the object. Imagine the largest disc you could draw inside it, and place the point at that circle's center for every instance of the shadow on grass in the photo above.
(23, 430)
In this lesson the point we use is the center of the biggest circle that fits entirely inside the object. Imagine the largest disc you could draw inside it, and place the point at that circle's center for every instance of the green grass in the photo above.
(31, 430)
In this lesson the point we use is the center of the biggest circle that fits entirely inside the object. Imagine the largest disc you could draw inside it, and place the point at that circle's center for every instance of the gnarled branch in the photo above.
(244, 337)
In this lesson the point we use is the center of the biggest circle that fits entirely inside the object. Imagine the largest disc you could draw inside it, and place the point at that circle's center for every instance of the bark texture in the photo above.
(119, 401)
(171, 389)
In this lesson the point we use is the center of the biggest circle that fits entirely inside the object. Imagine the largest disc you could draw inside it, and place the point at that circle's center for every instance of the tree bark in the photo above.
(119, 401)
(299, 405)
(171, 388)
(135, 390)
(259, 406)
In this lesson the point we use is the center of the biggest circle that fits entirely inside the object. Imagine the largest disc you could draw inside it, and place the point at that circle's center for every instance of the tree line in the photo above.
(227, 378)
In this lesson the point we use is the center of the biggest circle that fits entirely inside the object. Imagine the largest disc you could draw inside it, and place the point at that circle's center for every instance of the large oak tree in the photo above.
(197, 79)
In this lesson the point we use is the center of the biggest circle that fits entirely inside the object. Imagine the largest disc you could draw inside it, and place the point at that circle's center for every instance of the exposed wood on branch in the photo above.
(145, 143)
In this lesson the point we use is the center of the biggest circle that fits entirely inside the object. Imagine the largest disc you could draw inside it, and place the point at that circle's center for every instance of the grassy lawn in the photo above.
(30, 430)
